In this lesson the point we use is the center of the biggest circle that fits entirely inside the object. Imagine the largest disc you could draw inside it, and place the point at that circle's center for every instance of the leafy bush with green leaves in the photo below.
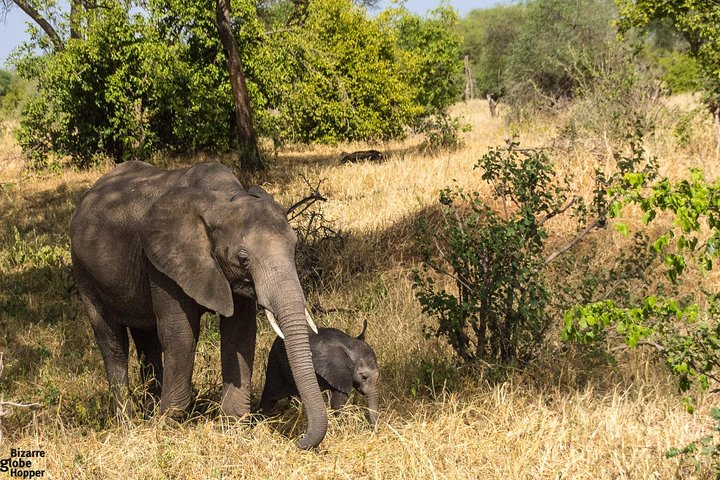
(686, 336)
(495, 310)
(432, 57)
(14, 94)
(340, 78)
(681, 72)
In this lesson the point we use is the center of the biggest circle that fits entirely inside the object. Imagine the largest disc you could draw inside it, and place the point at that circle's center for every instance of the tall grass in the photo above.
(568, 415)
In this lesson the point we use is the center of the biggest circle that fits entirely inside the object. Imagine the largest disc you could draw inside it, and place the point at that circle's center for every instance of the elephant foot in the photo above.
(235, 404)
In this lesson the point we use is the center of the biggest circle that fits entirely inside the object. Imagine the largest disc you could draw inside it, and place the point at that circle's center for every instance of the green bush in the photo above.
(686, 336)
(495, 310)
(681, 72)
(14, 94)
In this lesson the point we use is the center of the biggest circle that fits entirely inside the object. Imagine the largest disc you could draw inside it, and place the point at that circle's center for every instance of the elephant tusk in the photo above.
(310, 322)
(274, 324)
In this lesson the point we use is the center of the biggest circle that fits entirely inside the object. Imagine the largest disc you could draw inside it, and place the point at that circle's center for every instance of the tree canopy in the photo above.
(153, 75)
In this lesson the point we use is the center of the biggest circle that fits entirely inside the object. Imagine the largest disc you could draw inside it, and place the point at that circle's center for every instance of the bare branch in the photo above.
(42, 23)
(307, 201)
(558, 211)
(444, 272)
(574, 241)
(647, 343)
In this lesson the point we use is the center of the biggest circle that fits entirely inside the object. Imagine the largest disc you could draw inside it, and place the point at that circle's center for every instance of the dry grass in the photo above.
(566, 416)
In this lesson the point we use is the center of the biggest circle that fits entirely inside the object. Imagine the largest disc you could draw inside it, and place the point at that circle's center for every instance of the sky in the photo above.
(13, 28)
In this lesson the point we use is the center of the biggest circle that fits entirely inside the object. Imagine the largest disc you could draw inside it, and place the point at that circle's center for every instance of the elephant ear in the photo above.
(333, 365)
(259, 192)
(176, 241)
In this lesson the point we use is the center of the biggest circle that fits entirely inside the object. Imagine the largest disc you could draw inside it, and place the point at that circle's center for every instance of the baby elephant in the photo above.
(341, 363)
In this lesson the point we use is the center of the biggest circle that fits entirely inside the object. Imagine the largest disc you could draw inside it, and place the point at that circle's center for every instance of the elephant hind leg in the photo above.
(112, 338)
(149, 353)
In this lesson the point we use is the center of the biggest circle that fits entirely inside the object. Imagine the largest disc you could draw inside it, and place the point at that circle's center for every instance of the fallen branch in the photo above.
(574, 241)
(4, 404)
(647, 343)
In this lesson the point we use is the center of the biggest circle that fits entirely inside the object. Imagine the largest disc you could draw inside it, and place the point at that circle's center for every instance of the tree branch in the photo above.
(42, 23)
(574, 241)
(309, 200)
(558, 211)
(315, 196)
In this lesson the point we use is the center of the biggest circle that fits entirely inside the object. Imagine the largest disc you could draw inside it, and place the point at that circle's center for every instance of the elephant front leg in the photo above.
(237, 351)
(178, 328)
(338, 400)
(112, 338)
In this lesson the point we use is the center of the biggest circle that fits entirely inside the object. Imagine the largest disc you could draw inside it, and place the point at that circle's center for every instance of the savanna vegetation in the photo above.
(540, 285)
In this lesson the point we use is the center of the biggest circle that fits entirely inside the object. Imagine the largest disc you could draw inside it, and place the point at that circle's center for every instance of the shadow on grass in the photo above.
(37, 311)
(44, 212)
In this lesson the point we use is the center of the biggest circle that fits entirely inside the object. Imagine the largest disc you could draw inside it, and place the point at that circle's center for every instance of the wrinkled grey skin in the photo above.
(341, 362)
(153, 250)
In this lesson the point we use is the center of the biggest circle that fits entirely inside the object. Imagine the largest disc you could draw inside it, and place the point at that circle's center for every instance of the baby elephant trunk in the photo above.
(373, 402)
(370, 388)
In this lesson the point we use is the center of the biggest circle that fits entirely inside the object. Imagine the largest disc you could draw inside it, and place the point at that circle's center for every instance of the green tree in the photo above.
(557, 49)
(432, 59)
(698, 21)
(488, 38)
(337, 77)
(154, 76)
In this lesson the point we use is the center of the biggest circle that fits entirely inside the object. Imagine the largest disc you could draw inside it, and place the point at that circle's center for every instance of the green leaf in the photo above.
(622, 228)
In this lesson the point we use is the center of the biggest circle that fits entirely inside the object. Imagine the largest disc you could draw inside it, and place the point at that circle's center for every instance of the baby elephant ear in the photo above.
(333, 365)
(362, 334)
(175, 239)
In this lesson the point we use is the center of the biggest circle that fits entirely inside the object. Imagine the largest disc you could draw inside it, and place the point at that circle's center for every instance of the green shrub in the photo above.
(495, 310)
(685, 335)
(681, 72)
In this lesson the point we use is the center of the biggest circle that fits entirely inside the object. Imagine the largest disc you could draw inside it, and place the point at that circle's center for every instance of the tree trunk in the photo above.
(469, 83)
(249, 154)
(75, 8)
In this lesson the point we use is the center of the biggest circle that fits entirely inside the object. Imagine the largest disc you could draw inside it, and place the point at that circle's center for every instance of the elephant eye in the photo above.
(243, 258)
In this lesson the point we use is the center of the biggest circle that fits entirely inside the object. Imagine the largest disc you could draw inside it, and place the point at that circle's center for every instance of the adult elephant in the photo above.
(153, 250)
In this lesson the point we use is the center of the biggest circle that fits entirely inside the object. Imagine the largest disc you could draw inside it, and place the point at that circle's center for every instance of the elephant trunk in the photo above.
(283, 295)
(373, 402)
